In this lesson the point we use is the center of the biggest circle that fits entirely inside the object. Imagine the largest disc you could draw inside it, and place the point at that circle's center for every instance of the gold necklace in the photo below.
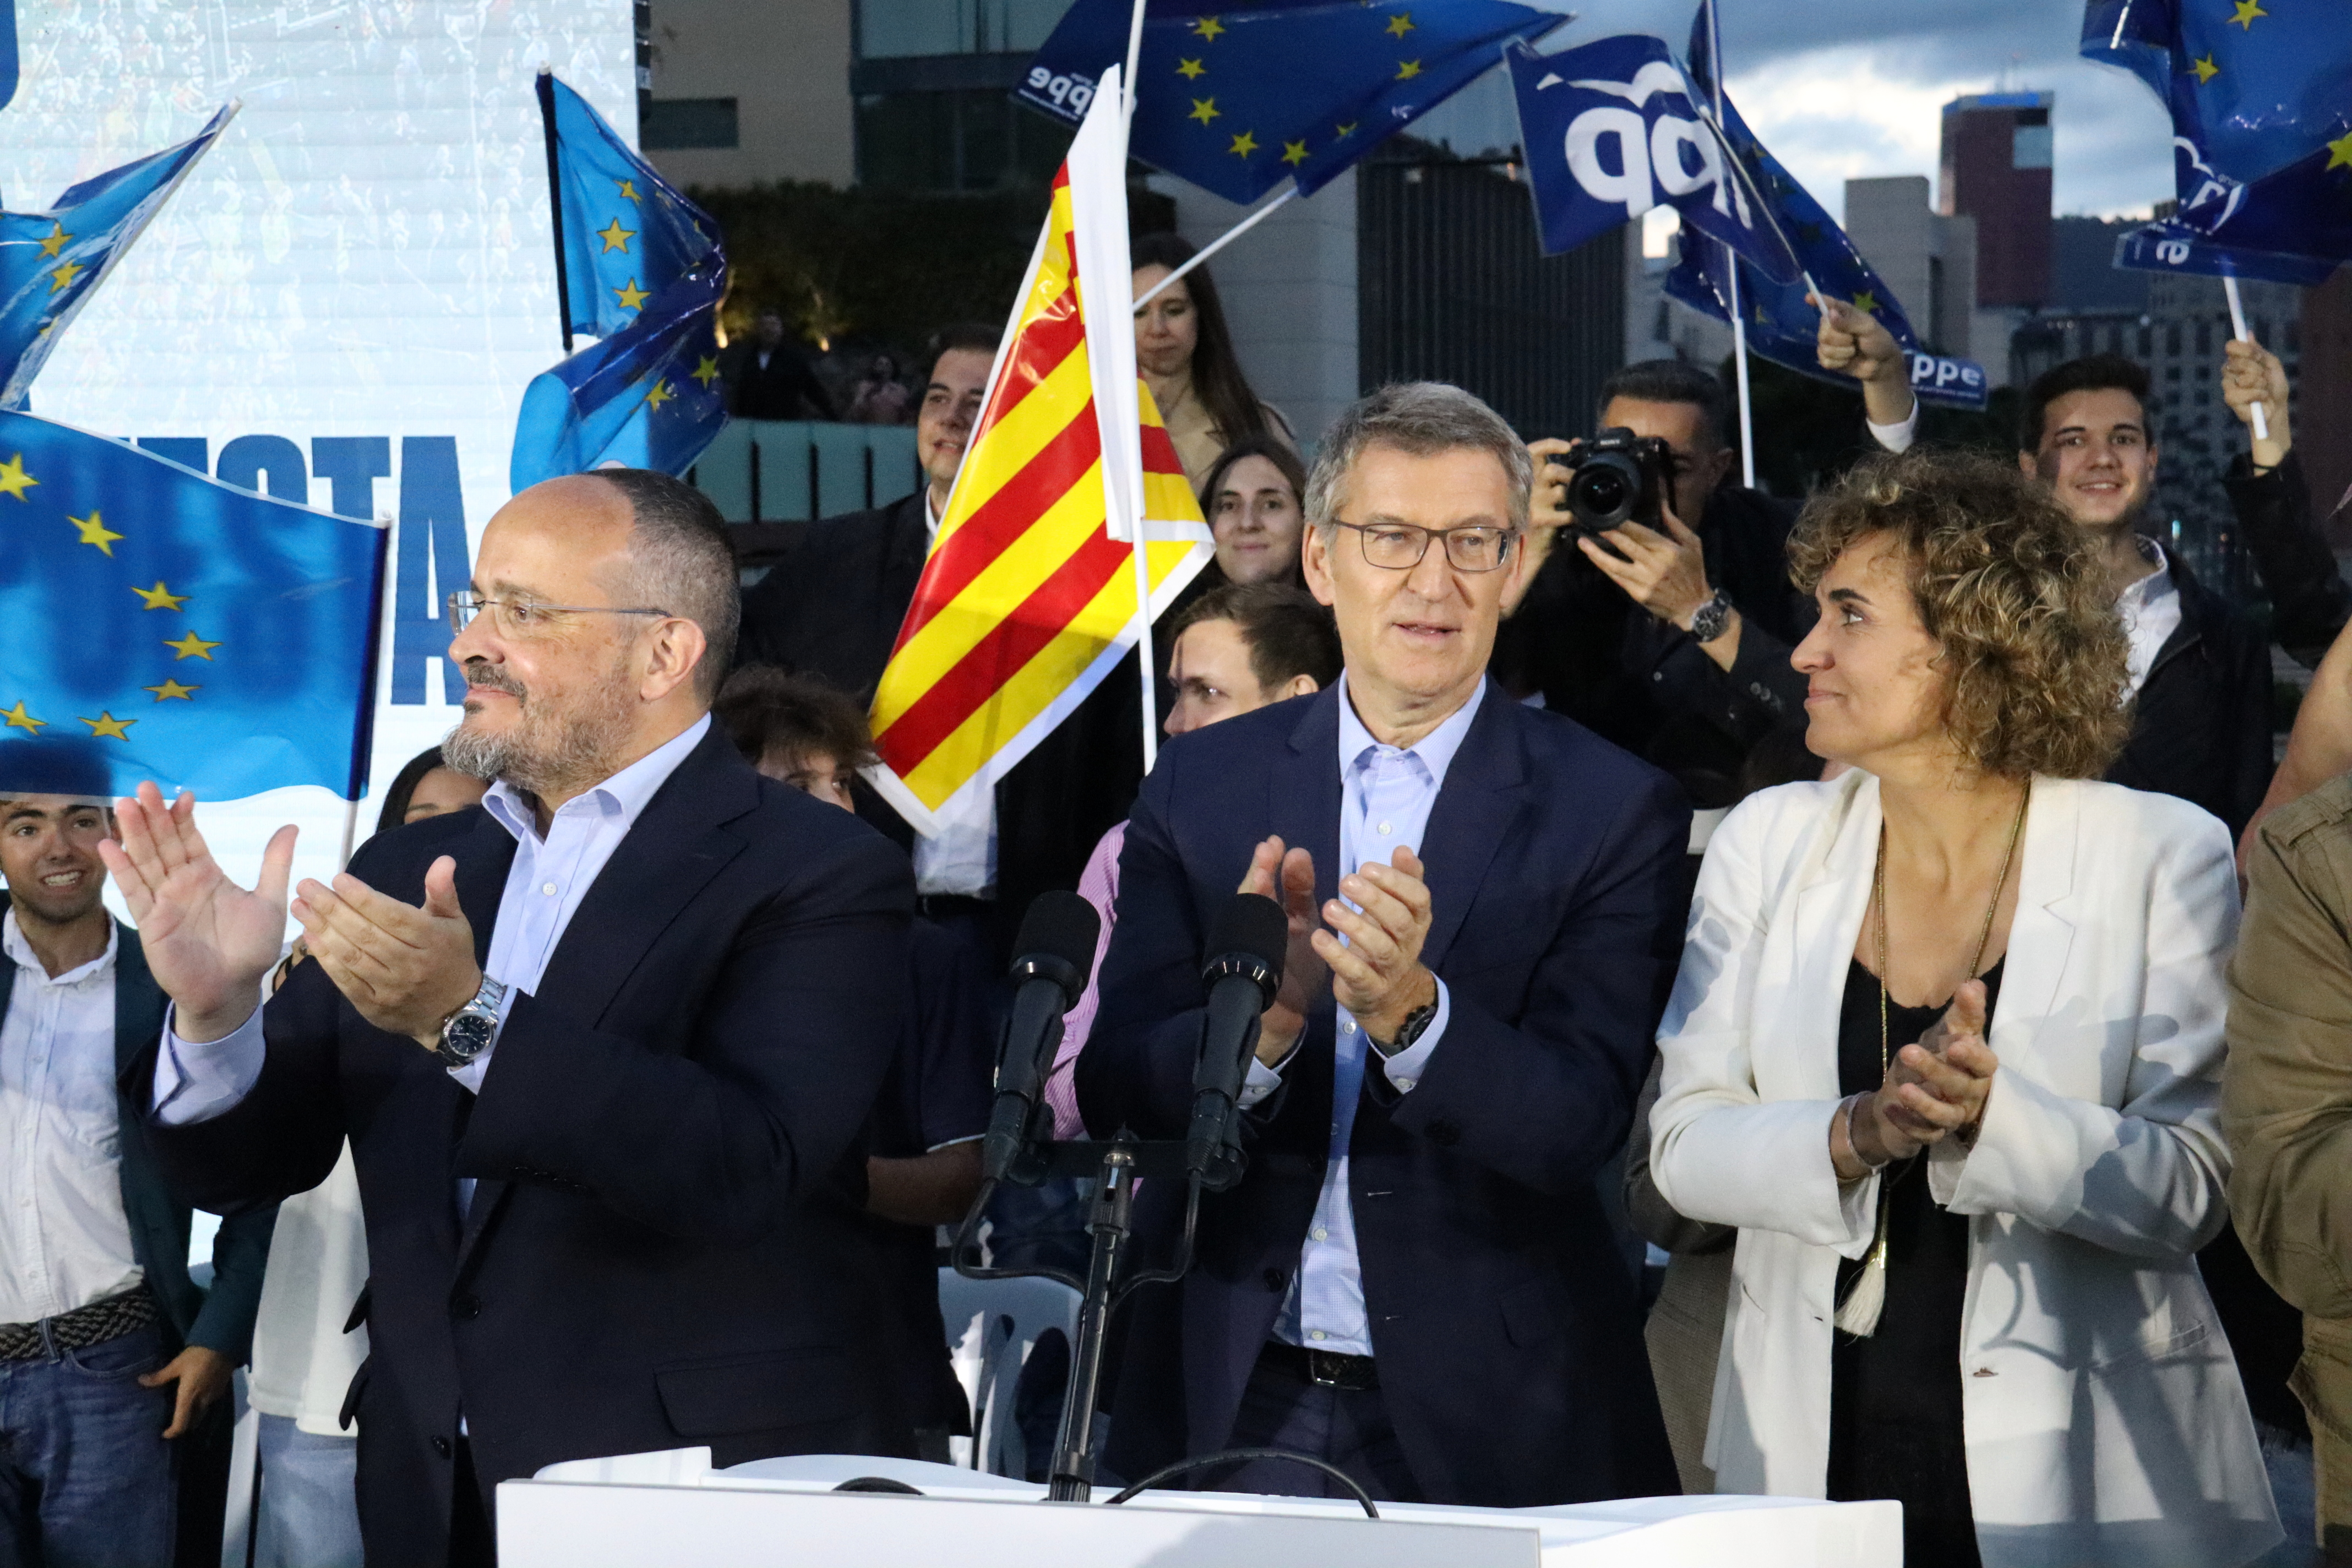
(1867, 1297)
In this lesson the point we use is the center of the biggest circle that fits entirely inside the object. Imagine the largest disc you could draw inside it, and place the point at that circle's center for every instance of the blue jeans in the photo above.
(86, 1479)
(310, 1512)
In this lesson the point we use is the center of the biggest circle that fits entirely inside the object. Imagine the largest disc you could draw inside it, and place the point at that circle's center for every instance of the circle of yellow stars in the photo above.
(92, 530)
(1244, 144)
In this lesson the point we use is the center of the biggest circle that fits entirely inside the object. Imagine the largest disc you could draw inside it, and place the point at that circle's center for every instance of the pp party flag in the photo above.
(1781, 323)
(1029, 597)
(648, 397)
(2262, 132)
(1615, 128)
(622, 234)
(1239, 99)
(50, 262)
(155, 624)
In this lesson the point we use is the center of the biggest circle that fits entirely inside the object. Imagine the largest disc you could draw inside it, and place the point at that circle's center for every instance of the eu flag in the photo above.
(2261, 131)
(624, 233)
(648, 397)
(51, 261)
(157, 625)
(1238, 100)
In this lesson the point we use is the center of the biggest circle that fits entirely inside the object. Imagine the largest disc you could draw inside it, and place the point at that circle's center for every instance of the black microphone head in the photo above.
(1252, 935)
(1057, 943)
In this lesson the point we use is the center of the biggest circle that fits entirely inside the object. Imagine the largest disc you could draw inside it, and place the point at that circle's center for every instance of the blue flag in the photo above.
(1613, 129)
(1781, 324)
(2261, 131)
(648, 283)
(155, 624)
(1237, 100)
(624, 233)
(648, 397)
(50, 262)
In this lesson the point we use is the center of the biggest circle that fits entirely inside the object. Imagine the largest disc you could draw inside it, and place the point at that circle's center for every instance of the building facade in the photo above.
(1995, 166)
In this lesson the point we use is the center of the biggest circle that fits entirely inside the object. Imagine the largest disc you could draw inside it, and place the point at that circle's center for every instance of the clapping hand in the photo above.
(405, 969)
(1375, 973)
(1937, 1088)
(1287, 877)
(207, 941)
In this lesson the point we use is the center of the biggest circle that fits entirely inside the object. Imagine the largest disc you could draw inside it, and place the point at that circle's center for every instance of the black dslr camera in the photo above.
(1617, 477)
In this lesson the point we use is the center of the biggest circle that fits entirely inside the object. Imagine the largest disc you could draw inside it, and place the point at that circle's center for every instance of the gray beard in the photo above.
(546, 754)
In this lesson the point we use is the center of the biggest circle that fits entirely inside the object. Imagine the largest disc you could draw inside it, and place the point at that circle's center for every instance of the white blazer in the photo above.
(2105, 1423)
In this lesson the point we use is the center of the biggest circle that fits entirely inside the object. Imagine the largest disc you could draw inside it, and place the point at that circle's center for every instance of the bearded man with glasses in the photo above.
(1414, 1281)
(602, 1049)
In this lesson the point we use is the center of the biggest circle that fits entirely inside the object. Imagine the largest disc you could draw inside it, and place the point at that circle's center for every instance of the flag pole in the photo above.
(1731, 274)
(2238, 329)
(555, 201)
(1145, 660)
(1214, 246)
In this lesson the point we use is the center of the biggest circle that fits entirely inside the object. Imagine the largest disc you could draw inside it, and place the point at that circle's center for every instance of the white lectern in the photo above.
(673, 1510)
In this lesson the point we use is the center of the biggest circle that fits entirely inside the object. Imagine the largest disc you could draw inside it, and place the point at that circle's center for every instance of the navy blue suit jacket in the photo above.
(1506, 1329)
(664, 1249)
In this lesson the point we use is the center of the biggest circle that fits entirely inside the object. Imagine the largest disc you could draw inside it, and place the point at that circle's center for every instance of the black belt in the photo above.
(949, 906)
(1326, 1369)
(101, 1321)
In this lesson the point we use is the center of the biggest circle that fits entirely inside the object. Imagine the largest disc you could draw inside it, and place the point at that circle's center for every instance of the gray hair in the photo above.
(1422, 418)
(681, 561)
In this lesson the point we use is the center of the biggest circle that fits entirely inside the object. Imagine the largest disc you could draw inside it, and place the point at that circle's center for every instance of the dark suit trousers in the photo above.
(1349, 1428)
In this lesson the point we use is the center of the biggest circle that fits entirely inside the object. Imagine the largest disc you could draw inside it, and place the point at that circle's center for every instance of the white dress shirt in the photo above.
(1385, 796)
(64, 1241)
(551, 874)
(2151, 611)
(960, 858)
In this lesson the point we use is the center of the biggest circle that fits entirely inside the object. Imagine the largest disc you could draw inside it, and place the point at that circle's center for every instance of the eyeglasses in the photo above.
(520, 618)
(1398, 546)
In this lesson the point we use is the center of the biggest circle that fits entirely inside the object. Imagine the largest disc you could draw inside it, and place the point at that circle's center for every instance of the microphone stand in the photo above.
(1116, 1164)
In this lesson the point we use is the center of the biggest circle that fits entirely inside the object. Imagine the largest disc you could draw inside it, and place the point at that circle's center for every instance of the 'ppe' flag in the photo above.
(1028, 599)
(51, 262)
(1613, 129)
(1238, 99)
(1781, 324)
(155, 624)
(648, 397)
(624, 233)
(2262, 132)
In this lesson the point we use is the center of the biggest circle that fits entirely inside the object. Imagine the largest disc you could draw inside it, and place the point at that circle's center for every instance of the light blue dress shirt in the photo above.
(1385, 798)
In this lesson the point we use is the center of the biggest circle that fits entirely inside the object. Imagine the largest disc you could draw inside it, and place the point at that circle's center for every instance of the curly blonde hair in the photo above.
(2011, 589)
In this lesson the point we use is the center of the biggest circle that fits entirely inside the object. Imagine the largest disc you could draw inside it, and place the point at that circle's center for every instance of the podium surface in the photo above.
(673, 1510)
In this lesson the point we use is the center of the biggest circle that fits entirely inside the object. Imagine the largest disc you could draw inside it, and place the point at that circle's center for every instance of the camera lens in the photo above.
(1605, 491)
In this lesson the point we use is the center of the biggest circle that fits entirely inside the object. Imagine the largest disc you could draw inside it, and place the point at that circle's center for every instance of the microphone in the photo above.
(1244, 973)
(1057, 945)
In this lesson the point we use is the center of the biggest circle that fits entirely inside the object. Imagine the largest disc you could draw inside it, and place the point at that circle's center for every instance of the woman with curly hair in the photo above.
(1946, 1046)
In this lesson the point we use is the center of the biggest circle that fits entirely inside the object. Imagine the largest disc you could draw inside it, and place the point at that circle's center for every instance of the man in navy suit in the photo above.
(1414, 1280)
(602, 1048)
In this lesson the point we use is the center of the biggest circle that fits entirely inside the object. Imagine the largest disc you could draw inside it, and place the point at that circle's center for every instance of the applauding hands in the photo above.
(1375, 973)
(1934, 1089)
(209, 941)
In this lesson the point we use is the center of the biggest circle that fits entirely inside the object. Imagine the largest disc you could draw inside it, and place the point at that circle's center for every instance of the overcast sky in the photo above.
(1846, 88)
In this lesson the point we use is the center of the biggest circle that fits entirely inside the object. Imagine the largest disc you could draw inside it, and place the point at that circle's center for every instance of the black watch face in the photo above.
(467, 1036)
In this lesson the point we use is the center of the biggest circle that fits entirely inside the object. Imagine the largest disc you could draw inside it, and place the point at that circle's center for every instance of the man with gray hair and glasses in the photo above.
(1414, 1281)
(602, 1049)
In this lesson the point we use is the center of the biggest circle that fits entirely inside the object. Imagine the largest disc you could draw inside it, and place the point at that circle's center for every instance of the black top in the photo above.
(937, 1092)
(1895, 1426)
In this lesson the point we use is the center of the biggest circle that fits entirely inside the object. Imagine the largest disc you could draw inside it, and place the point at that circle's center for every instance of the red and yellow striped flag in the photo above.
(1028, 599)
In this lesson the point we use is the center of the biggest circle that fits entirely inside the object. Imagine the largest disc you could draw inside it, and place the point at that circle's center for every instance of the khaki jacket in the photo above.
(2287, 1101)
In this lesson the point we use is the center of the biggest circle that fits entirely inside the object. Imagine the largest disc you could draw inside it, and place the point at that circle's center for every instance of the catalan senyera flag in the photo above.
(1029, 597)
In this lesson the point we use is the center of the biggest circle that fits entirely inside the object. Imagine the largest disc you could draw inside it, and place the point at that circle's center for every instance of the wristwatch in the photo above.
(1416, 1023)
(1710, 620)
(468, 1031)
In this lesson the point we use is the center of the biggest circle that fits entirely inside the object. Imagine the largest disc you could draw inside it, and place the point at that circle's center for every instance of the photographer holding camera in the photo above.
(1670, 639)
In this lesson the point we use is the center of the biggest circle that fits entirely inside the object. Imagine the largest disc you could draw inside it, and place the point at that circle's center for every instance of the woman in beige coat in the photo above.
(1945, 1045)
